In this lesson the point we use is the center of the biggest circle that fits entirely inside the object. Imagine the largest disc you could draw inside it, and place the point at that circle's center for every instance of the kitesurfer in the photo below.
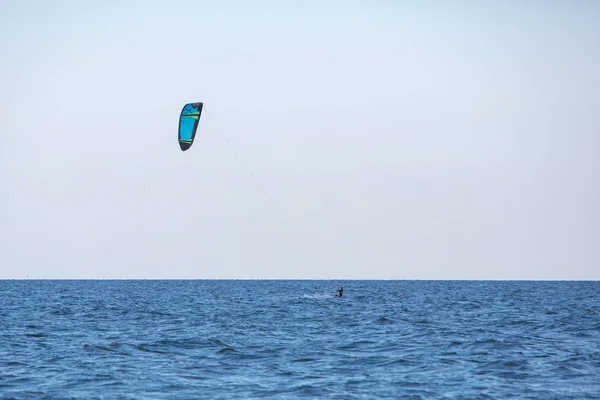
(340, 292)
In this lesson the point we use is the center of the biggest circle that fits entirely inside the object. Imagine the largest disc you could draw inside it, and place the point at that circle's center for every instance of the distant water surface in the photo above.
(293, 339)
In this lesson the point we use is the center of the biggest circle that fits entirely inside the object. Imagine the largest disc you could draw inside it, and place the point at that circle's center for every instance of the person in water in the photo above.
(340, 292)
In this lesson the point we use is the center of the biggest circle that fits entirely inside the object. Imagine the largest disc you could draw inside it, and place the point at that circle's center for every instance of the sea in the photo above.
(293, 339)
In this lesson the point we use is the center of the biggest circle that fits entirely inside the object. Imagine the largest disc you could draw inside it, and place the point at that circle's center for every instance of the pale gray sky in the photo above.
(387, 139)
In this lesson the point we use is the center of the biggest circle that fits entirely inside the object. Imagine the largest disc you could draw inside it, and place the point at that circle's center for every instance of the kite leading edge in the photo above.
(188, 123)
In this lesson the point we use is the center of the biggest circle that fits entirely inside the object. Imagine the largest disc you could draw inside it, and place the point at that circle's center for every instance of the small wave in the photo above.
(356, 345)
(494, 344)
(36, 335)
(304, 360)
(184, 344)
(569, 371)
(520, 322)
(227, 350)
(400, 361)
(218, 342)
(148, 348)
(383, 321)
(61, 311)
(224, 348)
(156, 313)
(422, 321)
(318, 296)
(506, 369)
(194, 377)
(111, 348)
(15, 364)
(308, 390)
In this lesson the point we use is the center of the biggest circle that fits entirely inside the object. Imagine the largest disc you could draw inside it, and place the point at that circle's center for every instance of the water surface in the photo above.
(294, 339)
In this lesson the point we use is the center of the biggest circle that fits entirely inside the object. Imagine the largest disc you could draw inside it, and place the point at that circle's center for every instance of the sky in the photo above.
(339, 139)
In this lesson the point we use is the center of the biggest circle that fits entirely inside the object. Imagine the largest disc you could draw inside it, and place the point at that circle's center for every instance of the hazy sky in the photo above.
(374, 139)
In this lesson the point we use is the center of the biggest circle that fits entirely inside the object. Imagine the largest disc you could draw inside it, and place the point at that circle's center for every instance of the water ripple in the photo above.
(293, 339)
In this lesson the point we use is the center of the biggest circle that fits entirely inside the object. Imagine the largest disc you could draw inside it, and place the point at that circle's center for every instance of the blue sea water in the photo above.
(218, 339)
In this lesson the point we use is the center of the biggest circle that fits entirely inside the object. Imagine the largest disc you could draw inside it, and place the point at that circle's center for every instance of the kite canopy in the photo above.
(188, 123)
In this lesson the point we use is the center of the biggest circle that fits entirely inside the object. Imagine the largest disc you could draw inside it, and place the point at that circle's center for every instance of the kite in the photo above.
(188, 123)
